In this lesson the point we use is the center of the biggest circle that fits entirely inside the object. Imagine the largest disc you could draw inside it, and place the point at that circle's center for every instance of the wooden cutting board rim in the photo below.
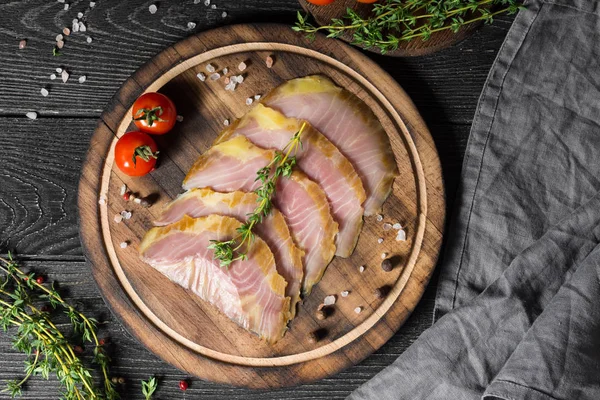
(109, 254)
(298, 357)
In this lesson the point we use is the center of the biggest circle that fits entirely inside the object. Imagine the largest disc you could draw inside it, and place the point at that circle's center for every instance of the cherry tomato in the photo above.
(136, 153)
(320, 2)
(366, 1)
(154, 113)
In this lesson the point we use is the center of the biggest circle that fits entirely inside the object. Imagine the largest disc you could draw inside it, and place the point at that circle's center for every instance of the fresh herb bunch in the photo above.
(149, 387)
(47, 348)
(284, 161)
(395, 21)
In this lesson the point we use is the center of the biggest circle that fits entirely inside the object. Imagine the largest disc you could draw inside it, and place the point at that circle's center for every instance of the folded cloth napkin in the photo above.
(518, 303)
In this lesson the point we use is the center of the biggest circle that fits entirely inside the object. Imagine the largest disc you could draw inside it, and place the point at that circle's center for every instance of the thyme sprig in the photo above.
(284, 162)
(395, 21)
(149, 387)
(37, 335)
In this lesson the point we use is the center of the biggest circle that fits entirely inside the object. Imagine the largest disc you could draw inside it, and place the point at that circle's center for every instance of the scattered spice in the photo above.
(358, 310)
(89, 39)
(82, 78)
(320, 314)
(215, 76)
(121, 380)
(44, 92)
(22, 44)
(382, 292)
(361, 269)
(127, 196)
(65, 76)
(82, 27)
(384, 255)
(313, 337)
(60, 44)
(269, 61)
(145, 202)
(59, 70)
(224, 15)
(118, 218)
(242, 66)
(123, 190)
(397, 226)
(387, 227)
(52, 77)
(66, 7)
(380, 240)
(124, 244)
(257, 96)
(387, 265)
(183, 385)
(210, 68)
(201, 76)
(225, 70)
(214, 7)
(226, 122)
(191, 25)
(152, 8)
(126, 214)
(31, 115)
(329, 300)
(345, 293)
(249, 101)
(179, 118)
(207, 3)
(59, 37)
(102, 199)
(401, 236)
(379, 217)
(92, 4)
(66, 31)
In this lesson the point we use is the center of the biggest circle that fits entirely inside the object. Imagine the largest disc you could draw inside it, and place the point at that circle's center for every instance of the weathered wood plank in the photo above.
(125, 35)
(134, 363)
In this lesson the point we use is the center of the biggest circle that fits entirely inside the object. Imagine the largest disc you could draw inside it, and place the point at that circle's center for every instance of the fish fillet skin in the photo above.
(273, 229)
(318, 158)
(300, 200)
(250, 292)
(349, 124)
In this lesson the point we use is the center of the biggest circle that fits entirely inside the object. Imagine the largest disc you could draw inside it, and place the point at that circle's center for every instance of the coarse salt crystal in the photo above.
(52, 76)
(82, 27)
(126, 214)
(361, 269)
(225, 70)
(257, 96)
(329, 300)
(345, 293)
(207, 3)
(58, 70)
(210, 68)
(89, 39)
(215, 76)
(227, 80)
(397, 226)
(231, 85)
(240, 78)
(226, 122)
(179, 118)
(22, 44)
(59, 37)
(65, 76)
(269, 61)
(92, 4)
(249, 101)
(80, 15)
(66, 31)
(380, 240)
(224, 15)
(61, 1)
(137, 200)
(102, 199)
(66, 6)
(152, 8)
(358, 310)
(213, 7)
(118, 218)
(123, 190)
(384, 256)
(197, 1)
(242, 66)
(75, 26)
(191, 25)
(401, 236)
(44, 92)
(379, 217)
(387, 227)
(82, 78)
(124, 244)
(31, 115)
(60, 44)
(201, 76)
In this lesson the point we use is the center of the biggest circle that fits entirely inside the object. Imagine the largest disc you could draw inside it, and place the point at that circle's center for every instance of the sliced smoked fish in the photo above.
(232, 165)
(318, 158)
(249, 292)
(273, 229)
(349, 124)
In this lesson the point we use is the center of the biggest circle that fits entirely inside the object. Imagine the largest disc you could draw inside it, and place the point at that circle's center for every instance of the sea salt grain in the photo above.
(52, 76)
(249, 101)
(224, 15)
(75, 26)
(60, 44)
(31, 115)
(66, 7)
(345, 293)
(179, 118)
(215, 76)
(65, 76)
(379, 217)
(58, 70)
(197, 1)
(126, 214)
(82, 27)
(257, 96)
(44, 92)
(66, 31)
(118, 218)
(79, 15)
(397, 226)
(225, 70)
(401, 236)
(82, 78)
(213, 7)
(191, 25)
(269, 61)
(102, 199)
(358, 310)
(210, 68)
(124, 244)
(59, 37)
(387, 227)
(201, 76)
(329, 300)
(152, 8)
(22, 44)
(61, 1)
(239, 78)
(226, 122)
(361, 269)
(207, 3)
(380, 240)
(231, 85)
(89, 39)
(384, 256)
(92, 4)
(123, 190)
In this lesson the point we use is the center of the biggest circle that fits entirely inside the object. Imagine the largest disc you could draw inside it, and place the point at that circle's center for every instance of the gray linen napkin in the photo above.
(519, 294)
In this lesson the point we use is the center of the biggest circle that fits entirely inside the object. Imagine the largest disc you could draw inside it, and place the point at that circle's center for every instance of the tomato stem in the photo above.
(150, 115)
(144, 152)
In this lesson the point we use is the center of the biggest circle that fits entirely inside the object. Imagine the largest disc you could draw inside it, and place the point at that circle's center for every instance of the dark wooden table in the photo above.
(40, 159)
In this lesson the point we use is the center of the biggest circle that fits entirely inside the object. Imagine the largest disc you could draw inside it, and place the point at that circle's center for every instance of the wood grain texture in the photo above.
(438, 41)
(204, 342)
(445, 87)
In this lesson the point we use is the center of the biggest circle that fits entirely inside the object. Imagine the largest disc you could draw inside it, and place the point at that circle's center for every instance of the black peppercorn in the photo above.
(387, 265)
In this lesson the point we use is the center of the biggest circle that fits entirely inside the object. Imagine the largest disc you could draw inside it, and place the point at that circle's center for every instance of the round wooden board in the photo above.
(438, 41)
(189, 333)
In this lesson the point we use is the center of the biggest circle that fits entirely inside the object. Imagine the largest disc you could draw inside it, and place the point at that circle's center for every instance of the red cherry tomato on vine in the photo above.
(320, 2)
(136, 153)
(154, 113)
